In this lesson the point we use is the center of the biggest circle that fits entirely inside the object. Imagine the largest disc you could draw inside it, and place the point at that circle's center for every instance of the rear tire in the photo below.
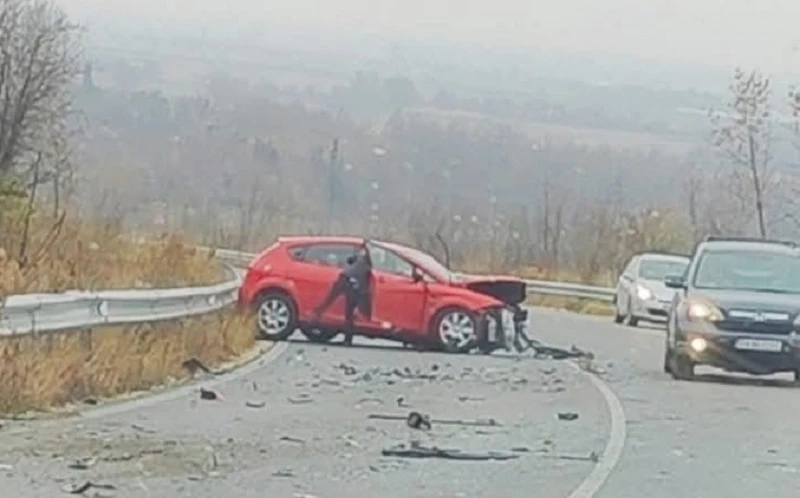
(276, 315)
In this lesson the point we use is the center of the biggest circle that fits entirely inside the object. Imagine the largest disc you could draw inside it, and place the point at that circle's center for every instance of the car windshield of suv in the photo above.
(659, 269)
(762, 271)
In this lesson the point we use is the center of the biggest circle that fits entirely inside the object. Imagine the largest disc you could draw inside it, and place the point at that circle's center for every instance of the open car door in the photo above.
(398, 292)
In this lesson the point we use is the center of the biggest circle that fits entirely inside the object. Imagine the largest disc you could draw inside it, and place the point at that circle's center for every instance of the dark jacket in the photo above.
(358, 271)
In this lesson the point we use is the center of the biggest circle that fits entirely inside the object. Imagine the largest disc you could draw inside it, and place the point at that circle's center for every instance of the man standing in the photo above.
(354, 283)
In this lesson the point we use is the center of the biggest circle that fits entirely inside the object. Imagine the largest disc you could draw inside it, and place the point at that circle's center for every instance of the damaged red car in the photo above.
(415, 299)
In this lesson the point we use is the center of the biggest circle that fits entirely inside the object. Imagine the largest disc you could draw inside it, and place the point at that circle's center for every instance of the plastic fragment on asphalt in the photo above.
(419, 451)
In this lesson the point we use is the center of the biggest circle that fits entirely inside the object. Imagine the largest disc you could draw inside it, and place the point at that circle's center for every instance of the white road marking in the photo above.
(616, 441)
(147, 400)
(262, 360)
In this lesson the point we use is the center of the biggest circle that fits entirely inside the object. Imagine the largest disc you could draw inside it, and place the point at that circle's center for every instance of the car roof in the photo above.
(660, 256)
(745, 245)
(320, 239)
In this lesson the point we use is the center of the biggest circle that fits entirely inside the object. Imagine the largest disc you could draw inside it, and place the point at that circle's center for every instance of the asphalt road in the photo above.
(723, 436)
(313, 438)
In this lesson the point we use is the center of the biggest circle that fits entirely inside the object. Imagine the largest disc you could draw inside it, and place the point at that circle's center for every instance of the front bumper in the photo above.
(501, 327)
(758, 354)
(651, 310)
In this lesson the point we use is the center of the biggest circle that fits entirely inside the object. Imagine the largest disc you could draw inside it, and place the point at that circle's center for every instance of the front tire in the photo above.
(456, 329)
(630, 319)
(276, 316)
(667, 358)
(682, 367)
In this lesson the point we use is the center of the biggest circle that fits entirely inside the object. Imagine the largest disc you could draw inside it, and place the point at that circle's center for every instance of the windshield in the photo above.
(659, 269)
(764, 271)
(425, 261)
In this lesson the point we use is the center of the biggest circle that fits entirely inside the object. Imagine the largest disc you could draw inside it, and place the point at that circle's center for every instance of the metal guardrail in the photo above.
(552, 288)
(34, 313)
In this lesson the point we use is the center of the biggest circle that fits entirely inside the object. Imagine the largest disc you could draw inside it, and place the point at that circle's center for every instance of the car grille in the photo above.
(757, 322)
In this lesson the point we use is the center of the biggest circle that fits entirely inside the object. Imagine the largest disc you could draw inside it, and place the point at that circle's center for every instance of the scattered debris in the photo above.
(255, 404)
(370, 400)
(568, 416)
(469, 398)
(79, 489)
(140, 428)
(208, 394)
(193, 365)
(401, 401)
(419, 451)
(347, 369)
(300, 399)
(418, 421)
(471, 423)
(83, 463)
(291, 439)
(591, 457)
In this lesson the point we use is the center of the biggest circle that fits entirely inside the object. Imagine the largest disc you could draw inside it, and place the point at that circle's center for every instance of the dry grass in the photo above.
(59, 254)
(49, 371)
(54, 254)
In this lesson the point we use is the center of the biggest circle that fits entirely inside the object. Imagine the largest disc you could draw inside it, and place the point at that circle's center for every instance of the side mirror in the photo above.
(675, 282)
(417, 275)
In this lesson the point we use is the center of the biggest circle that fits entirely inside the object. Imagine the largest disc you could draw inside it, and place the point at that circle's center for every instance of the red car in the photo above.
(415, 299)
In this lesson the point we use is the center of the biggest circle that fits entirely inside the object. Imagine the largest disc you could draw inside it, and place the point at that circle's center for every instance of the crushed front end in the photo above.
(501, 328)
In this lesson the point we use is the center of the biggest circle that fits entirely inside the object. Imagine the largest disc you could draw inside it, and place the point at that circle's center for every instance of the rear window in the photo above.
(659, 269)
(323, 254)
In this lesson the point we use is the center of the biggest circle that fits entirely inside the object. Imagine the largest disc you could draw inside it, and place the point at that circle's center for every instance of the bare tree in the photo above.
(743, 133)
(39, 59)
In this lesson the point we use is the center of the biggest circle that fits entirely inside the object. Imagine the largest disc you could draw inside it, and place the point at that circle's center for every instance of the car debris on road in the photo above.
(415, 415)
(416, 450)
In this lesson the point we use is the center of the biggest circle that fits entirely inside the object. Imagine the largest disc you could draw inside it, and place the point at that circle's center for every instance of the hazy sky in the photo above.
(762, 33)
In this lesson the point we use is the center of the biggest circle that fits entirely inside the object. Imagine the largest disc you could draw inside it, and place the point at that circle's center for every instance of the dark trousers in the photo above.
(354, 299)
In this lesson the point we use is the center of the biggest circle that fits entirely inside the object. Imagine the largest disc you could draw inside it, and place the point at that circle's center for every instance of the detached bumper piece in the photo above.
(419, 451)
(499, 327)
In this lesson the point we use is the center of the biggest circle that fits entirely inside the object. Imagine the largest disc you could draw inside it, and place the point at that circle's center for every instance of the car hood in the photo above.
(659, 289)
(749, 300)
(508, 289)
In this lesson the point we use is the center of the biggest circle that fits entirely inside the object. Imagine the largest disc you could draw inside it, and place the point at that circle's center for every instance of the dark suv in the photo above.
(737, 308)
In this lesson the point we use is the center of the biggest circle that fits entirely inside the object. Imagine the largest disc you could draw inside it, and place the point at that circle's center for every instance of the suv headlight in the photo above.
(643, 292)
(702, 311)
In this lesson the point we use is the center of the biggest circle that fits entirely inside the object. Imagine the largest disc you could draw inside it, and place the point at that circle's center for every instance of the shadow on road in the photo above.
(737, 380)
(385, 345)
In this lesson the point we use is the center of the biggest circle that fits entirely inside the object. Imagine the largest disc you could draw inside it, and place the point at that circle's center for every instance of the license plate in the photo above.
(759, 345)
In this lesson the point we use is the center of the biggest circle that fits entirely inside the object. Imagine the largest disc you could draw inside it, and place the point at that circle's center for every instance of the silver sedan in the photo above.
(641, 293)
